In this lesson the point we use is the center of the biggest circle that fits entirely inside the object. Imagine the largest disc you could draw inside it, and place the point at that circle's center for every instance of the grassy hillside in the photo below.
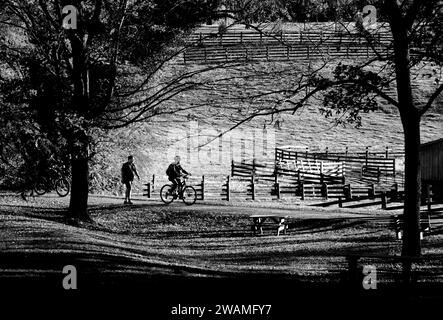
(226, 95)
(159, 140)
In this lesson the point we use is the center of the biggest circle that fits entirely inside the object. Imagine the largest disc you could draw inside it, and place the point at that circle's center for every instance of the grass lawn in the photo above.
(207, 239)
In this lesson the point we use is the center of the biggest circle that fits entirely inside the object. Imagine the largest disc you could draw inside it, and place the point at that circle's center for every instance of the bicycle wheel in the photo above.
(40, 188)
(189, 195)
(166, 194)
(62, 187)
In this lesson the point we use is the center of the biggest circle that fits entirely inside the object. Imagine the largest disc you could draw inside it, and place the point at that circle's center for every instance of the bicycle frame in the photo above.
(183, 184)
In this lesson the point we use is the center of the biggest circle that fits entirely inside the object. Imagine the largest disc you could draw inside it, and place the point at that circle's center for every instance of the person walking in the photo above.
(128, 172)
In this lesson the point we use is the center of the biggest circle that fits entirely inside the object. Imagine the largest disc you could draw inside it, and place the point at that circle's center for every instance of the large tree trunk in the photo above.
(411, 240)
(410, 118)
(78, 206)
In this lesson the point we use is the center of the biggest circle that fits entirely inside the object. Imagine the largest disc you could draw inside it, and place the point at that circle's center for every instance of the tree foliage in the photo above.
(69, 83)
(299, 10)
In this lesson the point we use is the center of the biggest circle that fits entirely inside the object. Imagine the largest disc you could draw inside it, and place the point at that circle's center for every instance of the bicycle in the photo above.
(186, 193)
(61, 185)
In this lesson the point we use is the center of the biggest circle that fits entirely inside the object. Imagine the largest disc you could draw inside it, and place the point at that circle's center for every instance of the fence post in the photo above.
(371, 191)
(366, 156)
(148, 190)
(203, 187)
(325, 191)
(387, 152)
(327, 151)
(347, 191)
(394, 195)
(302, 187)
(153, 182)
(383, 200)
(253, 166)
(253, 187)
(228, 188)
(232, 168)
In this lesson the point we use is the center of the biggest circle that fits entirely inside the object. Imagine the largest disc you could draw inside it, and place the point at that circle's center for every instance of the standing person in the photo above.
(174, 172)
(128, 172)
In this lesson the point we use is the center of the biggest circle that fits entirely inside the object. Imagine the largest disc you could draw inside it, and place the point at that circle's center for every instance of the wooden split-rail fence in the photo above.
(211, 46)
(370, 167)
(227, 188)
(254, 181)
(351, 162)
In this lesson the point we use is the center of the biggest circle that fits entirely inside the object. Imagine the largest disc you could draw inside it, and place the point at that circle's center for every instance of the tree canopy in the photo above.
(65, 83)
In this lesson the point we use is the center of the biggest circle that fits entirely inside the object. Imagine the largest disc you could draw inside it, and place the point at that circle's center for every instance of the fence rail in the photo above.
(227, 188)
(280, 173)
(280, 52)
(351, 163)
(320, 40)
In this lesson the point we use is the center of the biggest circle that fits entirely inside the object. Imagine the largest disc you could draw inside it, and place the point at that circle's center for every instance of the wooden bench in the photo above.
(259, 222)
(425, 225)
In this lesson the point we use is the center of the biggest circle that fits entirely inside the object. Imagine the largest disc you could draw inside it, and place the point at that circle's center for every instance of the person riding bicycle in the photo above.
(174, 172)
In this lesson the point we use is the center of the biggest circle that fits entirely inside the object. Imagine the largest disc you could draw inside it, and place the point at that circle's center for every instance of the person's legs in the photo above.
(128, 192)
(174, 185)
(179, 185)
